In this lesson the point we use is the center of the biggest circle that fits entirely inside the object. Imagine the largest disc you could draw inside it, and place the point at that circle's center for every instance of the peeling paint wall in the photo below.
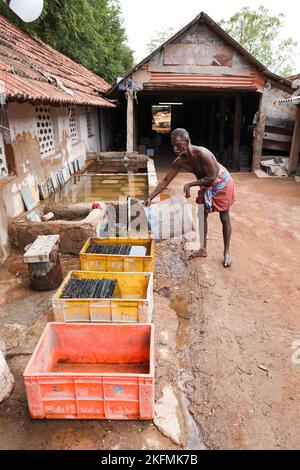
(199, 51)
(286, 111)
(32, 168)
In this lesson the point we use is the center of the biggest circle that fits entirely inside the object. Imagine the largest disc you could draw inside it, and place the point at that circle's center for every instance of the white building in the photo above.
(52, 111)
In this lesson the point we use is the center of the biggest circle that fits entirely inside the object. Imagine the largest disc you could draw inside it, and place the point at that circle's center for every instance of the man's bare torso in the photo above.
(193, 162)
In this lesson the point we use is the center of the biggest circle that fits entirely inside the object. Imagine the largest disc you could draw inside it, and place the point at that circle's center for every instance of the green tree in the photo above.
(259, 32)
(90, 32)
(159, 38)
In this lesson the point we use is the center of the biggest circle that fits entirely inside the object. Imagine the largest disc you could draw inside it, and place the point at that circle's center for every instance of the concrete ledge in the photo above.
(73, 234)
(152, 176)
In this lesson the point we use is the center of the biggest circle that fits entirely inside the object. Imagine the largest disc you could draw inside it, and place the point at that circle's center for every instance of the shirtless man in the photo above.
(216, 187)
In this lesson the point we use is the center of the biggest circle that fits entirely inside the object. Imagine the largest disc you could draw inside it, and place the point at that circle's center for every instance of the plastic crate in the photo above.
(118, 263)
(132, 300)
(88, 371)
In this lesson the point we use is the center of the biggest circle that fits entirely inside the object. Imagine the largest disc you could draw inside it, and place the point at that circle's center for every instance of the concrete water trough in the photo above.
(73, 227)
(104, 178)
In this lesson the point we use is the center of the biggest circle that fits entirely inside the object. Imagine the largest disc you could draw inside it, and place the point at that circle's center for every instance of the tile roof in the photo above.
(33, 71)
(295, 77)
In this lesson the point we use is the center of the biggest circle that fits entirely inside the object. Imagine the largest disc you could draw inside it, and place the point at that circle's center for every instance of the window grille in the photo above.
(73, 126)
(45, 131)
(89, 123)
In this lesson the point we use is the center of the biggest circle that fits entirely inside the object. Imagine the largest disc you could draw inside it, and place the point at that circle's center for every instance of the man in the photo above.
(216, 187)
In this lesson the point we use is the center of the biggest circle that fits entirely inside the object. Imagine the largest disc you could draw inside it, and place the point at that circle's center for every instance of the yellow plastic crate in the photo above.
(118, 263)
(132, 300)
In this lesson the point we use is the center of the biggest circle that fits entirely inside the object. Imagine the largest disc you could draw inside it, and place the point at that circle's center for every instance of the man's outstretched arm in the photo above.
(163, 184)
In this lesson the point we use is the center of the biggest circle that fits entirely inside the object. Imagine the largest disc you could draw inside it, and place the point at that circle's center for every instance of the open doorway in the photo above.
(210, 119)
(161, 119)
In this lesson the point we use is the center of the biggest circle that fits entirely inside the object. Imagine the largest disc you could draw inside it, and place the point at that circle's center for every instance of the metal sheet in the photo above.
(205, 81)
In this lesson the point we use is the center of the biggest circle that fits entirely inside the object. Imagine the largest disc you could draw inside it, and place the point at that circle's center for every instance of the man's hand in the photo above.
(187, 190)
(147, 202)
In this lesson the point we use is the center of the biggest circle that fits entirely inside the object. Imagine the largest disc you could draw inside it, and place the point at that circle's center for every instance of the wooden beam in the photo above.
(260, 129)
(135, 126)
(40, 250)
(130, 123)
(237, 132)
(295, 148)
(223, 114)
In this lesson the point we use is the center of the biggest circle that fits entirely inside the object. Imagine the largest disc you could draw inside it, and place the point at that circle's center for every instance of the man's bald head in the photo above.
(182, 133)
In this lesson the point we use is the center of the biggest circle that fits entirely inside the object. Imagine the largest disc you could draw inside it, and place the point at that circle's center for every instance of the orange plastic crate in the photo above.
(92, 371)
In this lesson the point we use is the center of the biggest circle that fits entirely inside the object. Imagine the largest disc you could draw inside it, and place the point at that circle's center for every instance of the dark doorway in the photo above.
(210, 119)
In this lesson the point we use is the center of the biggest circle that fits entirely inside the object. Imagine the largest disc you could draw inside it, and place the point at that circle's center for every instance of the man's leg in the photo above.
(225, 219)
(203, 229)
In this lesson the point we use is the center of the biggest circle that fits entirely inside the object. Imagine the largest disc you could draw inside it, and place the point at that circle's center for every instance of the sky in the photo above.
(142, 18)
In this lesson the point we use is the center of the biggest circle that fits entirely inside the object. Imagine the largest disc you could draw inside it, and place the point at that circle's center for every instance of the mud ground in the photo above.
(224, 376)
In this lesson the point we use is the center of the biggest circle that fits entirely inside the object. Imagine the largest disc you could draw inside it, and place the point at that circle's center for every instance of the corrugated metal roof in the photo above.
(252, 81)
(27, 65)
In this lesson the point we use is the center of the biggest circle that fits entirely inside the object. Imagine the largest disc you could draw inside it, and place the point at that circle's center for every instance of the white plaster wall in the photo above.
(32, 168)
(92, 144)
(21, 118)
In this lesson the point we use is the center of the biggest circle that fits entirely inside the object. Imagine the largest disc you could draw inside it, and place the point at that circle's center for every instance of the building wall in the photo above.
(279, 123)
(31, 167)
(198, 51)
(204, 58)
(286, 111)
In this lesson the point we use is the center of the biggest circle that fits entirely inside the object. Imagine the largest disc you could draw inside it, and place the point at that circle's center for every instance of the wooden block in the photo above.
(40, 250)
(277, 137)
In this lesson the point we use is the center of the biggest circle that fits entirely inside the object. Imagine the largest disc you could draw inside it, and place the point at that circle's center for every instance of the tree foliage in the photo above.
(159, 38)
(90, 32)
(259, 32)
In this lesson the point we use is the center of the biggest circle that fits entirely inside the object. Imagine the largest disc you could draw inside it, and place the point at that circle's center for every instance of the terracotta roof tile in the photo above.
(27, 65)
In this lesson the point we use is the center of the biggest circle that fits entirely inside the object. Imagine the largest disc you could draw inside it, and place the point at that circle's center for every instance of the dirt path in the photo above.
(238, 337)
(224, 374)
(23, 316)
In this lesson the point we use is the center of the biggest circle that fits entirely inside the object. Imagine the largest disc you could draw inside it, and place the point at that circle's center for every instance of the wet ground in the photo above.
(224, 374)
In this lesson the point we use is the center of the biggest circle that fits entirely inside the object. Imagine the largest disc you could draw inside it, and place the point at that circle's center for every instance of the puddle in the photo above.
(193, 439)
(180, 302)
(181, 306)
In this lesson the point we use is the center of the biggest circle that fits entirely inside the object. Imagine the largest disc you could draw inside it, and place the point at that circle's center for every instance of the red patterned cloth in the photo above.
(221, 195)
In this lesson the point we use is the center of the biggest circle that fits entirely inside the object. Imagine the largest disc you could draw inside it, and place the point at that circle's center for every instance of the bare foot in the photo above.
(198, 254)
(227, 260)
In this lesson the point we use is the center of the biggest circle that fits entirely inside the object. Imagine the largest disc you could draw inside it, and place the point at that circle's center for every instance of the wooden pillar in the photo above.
(203, 117)
(212, 118)
(237, 132)
(130, 123)
(295, 148)
(135, 126)
(223, 114)
(260, 129)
